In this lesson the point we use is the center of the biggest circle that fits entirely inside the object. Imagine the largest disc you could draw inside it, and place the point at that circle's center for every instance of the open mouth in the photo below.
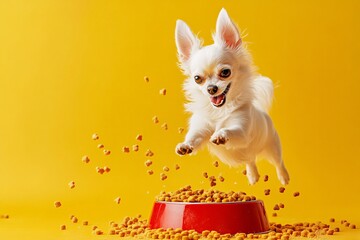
(220, 100)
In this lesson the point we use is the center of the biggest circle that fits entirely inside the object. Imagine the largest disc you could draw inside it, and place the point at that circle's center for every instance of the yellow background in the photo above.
(72, 68)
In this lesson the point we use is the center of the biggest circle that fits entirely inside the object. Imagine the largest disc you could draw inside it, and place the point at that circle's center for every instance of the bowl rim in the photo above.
(210, 203)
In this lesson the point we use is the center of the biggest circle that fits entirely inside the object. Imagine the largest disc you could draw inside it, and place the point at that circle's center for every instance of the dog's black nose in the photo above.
(212, 89)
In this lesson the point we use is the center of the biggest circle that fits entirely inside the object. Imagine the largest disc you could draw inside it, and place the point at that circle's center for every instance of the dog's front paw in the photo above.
(219, 137)
(183, 149)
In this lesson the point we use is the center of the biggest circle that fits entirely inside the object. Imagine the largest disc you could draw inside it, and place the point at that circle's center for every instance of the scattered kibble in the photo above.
(98, 232)
(205, 174)
(221, 178)
(162, 91)
(149, 153)
(71, 184)
(107, 169)
(216, 164)
(347, 224)
(274, 214)
(148, 163)
(281, 205)
(147, 79)
(276, 207)
(281, 189)
(180, 130)
(139, 137)
(95, 136)
(126, 149)
(267, 192)
(150, 172)
(85, 159)
(155, 119)
(106, 152)
(164, 126)
(63, 227)
(5, 216)
(57, 204)
(117, 200)
(100, 170)
(177, 167)
(352, 226)
(163, 176)
(244, 172)
(135, 148)
(85, 223)
(166, 169)
(266, 178)
(332, 220)
(100, 146)
(296, 194)
(74, 219)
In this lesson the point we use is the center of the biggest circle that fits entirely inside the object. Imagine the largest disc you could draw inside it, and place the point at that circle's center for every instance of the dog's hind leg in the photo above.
(274, 155)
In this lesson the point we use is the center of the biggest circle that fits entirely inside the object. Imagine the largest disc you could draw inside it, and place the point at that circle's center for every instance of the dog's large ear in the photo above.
(186, 41)
(226, 31)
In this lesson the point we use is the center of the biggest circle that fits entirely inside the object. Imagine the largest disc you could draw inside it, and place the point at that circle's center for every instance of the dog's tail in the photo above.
(263, 92)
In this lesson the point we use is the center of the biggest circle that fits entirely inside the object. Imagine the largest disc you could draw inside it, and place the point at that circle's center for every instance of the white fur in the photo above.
(241, 129)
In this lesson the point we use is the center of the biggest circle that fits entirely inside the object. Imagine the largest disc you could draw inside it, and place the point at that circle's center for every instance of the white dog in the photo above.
(228, 100)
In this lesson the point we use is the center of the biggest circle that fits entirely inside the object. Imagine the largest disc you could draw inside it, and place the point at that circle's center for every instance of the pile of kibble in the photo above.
(135, 227)
(186, 194)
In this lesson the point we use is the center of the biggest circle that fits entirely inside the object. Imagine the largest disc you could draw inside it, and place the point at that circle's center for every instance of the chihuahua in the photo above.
(228, 100)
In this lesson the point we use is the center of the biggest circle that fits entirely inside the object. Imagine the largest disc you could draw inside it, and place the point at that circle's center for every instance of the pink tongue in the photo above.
(217, 100)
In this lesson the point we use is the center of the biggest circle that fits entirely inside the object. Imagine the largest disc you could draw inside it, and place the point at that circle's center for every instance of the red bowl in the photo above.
(231, 217)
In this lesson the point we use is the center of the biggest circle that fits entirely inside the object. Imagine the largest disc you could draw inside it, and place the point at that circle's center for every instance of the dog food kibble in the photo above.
(155, 119)
(100, 170)
(126, 149)
(71, 184)
(164, 126)
(180, 130)
(216, 164)
(63, 227)
(274, 214)
(281, 205)
(244, 172)
(147, 79)
(85, 159)
(177, 167)
(135, 148)
(166, 169)
(57, 204)
(139, 137)
(352, 226)
(162, 91)
(163, 176)
(74, 219)
(332, 220)
(347, 224)
(107, 169)
(276, 207)
(281, 189)
(266, 178)
(205, 175)
(150, 172)
(4, 216)
(85, 223)
(296, 194)
(107, 152)
(267, 192)
(149, 153)
(221, 178)
(117, 200)
(100, 146)
(95, 136)
(148, 163)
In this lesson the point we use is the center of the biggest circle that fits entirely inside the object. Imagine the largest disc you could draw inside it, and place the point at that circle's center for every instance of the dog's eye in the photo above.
(225, 73)
(198, 79)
